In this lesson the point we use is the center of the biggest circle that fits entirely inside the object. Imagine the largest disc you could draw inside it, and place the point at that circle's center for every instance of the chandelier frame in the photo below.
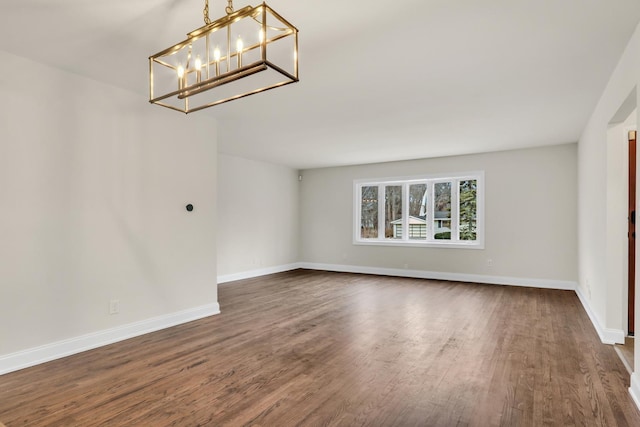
(191, 79)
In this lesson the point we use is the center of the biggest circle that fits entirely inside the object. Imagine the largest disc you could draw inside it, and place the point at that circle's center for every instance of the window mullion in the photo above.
(357, 207)
(381, 211)
(455, 204)
(430, 213)
(405, 212)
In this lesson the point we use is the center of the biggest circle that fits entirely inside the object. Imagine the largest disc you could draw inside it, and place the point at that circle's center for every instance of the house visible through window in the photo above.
(420, 211)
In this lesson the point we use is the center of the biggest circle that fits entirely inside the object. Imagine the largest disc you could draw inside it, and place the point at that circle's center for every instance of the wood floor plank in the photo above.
(335, 349)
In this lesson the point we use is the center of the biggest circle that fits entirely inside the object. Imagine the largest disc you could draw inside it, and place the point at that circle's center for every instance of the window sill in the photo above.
(418, 244)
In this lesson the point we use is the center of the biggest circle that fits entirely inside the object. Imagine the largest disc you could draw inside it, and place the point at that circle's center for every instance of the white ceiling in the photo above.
(379, 81)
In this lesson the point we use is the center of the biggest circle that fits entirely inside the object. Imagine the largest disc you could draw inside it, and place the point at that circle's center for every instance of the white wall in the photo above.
(529, 217)
(93, 187)
(592, 197)
(257, 217)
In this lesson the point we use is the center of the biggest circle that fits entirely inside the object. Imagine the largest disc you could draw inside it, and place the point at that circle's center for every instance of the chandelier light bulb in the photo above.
(181, 77)
(198, 65)
(239, 46)
(216, 58)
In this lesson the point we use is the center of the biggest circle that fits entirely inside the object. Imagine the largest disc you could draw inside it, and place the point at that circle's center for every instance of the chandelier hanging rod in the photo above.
(205, 12)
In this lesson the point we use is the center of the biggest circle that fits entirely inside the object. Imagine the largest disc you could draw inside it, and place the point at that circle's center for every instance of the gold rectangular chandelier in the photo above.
(246, 52)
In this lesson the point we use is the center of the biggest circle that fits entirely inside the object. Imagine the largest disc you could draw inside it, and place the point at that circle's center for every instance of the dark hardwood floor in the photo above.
(318, 348)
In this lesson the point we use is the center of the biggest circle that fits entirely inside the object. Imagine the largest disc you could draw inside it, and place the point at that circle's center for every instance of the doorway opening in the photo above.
(621, 200)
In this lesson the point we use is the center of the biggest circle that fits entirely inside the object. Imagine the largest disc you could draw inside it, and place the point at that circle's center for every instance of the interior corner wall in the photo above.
(530, 211)
(601, 295)
(257, 217)
(93, 187)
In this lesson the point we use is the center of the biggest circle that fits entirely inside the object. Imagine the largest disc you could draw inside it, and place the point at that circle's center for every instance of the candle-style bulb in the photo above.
(198, 65)
(261, 36)
(216, 58)
(239, 46)
(181, 78)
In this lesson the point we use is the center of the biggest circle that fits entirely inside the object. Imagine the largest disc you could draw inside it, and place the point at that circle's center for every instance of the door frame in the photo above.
(631, 221)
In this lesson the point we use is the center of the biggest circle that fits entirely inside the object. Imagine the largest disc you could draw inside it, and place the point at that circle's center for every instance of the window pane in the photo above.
(369, 213)
(468, 209)
(418, 211)
(393, 212)
(442, 211)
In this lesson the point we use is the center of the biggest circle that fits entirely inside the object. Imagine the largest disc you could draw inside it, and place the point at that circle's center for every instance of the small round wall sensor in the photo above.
(189, 207)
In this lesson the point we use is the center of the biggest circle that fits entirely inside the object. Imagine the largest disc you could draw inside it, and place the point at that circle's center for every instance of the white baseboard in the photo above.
(34, 356)
(607, 335)
(257, 273)
(398, 272)
(634, 390)
(437, 275)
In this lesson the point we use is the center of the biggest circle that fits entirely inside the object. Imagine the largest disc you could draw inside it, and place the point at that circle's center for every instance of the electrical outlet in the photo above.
(489, 262)
(406, 266)
(114, 306)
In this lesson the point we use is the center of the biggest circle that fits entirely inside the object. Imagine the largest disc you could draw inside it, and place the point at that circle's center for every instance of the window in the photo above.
(437, 211)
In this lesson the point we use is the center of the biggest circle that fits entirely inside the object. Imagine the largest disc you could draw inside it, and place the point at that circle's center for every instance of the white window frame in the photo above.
(429, 180)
